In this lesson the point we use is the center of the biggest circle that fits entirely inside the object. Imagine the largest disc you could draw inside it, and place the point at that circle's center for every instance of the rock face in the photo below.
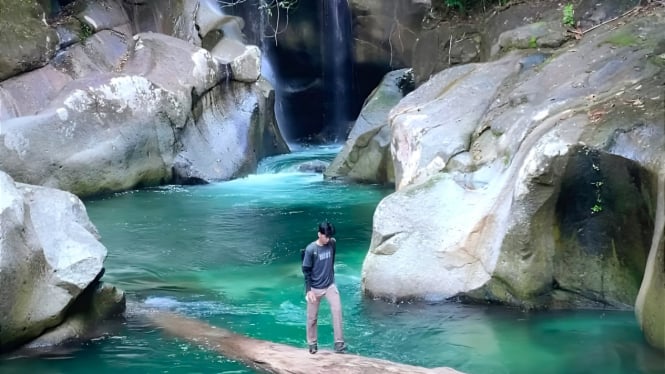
(107, 96)
(28, 42)
(366, 155)
(651, 298)
(49, 254)
(214, 152)
(114, 111)
(536, 174)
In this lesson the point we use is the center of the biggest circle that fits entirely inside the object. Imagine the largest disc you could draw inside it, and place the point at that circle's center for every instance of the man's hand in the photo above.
(310, 296)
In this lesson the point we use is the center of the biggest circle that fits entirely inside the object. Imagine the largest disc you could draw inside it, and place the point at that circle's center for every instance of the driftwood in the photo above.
(274, 357)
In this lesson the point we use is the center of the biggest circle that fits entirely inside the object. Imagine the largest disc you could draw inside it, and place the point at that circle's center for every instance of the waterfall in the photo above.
(336, 37)
(268, 73)
(307, 57)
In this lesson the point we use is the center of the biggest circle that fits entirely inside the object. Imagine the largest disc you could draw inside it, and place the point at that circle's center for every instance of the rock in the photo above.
(103, 15)
(245, 60)
(315, 166)
(102, 134)
(432, 125)
(366, 156)
(277, 358)
(235, 128)
(536, 35)
(49, 255)
(177, 20)
(513, 194)
(651, 297)
(28, 42)
(99, 302)
(444, 46)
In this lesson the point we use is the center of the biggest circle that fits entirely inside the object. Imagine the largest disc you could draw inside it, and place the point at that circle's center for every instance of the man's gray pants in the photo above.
(332, 295)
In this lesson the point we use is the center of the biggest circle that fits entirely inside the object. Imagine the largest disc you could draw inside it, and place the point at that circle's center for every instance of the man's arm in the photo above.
(307, 271)
(307, 264)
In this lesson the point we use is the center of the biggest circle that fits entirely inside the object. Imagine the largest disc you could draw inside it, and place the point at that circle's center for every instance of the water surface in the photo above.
(228, 253)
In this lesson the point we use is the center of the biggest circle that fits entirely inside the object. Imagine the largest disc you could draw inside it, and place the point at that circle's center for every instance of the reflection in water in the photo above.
(228, 253)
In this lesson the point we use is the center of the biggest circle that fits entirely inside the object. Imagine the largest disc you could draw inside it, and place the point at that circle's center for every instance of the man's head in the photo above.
(326, 230)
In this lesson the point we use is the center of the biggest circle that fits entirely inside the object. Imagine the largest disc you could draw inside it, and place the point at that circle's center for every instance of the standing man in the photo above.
(317, 266)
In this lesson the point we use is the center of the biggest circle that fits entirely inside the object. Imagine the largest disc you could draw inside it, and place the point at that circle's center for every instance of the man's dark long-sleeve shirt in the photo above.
(318, 265)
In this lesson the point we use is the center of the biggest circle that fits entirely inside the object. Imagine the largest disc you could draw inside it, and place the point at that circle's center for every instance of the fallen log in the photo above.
(274, 357)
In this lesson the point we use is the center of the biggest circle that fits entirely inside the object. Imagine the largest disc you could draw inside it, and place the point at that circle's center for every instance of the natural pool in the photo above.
(228, 253)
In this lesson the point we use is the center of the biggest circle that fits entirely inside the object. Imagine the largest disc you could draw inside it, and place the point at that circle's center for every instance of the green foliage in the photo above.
(464, 6)
(622, 39)
(85, 32)
(457, 4)
(568, 15)
(598, 205)
(278, 10)
(533, 42)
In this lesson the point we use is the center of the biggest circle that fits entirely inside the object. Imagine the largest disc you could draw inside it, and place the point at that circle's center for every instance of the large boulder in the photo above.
(28, 42)
(117, 112)
(49, 254)
(29, 93)
(101, 15)
(515, 194)
(234, 130)
(106, 133)
(97, 304)
(651, 298)
(366, 155)
(179, 19)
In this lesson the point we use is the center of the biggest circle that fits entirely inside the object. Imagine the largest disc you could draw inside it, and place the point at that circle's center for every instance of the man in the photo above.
(317, 266)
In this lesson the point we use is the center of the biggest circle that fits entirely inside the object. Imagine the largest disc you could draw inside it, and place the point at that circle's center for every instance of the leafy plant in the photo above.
(533, 42)
(85, 32)
(568, 15)
(597, 206)
(459, 4)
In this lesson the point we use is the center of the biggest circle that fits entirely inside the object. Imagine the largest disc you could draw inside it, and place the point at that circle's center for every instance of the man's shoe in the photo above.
(340, 347)
(313, 348)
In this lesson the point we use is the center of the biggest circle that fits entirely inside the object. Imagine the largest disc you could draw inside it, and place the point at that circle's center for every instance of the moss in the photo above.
(622, 38)
(657, 60)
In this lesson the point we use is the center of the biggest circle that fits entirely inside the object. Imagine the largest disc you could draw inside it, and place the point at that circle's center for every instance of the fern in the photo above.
(568, 15)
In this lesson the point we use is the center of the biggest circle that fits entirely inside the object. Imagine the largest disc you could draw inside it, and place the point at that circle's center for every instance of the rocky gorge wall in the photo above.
(104, 96)
(530, 179)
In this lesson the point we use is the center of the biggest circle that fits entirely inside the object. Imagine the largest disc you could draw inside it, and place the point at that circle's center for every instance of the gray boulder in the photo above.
(366, 156)
(532, 187)
(235, 128)
(49, 255)
(104, 134)
(651, 297)
(28, 42)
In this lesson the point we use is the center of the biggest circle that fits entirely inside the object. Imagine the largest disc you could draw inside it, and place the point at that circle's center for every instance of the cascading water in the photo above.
(268, 72)
(336, 37)
(307, 56)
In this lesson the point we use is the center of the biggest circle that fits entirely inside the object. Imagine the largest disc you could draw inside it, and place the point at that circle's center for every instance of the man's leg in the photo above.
(332, 295)
(312, 319)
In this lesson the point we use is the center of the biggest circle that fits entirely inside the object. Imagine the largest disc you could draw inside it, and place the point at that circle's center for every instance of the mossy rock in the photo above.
(28, 42)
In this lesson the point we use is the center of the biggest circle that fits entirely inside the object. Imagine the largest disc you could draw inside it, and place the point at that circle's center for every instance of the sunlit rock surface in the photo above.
(528, 184)
(49, 254)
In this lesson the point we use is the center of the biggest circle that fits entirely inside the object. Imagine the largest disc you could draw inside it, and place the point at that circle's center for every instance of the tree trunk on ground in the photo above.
(274, 357)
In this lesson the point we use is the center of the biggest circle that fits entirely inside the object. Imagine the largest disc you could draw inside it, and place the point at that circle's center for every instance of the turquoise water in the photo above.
(228, 253)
